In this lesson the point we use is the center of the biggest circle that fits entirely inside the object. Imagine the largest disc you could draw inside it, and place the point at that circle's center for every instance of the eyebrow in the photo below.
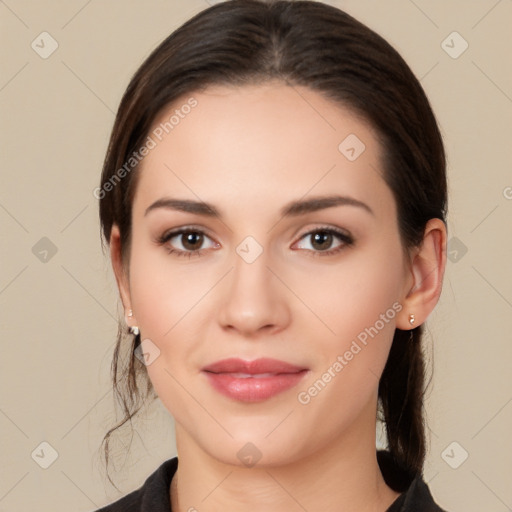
(292, 209)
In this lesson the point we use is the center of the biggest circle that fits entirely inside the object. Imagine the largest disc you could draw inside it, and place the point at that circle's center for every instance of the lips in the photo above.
(253, 381)
(257, 366)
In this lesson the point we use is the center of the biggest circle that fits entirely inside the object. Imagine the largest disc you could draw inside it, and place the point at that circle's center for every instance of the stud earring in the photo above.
(411, 319)
(133, 329)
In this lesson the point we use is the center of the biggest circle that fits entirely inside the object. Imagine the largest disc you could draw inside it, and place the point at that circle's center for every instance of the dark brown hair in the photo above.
(310, 44)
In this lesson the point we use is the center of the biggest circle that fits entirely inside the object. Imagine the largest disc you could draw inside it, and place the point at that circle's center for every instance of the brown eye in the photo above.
(185, 242)
(191, 240)
(322, 239)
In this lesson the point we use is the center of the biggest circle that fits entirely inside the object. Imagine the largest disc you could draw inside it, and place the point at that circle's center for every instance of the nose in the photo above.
(254, 300)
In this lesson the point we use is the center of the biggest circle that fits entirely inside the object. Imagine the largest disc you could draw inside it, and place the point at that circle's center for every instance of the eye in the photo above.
(323, 238)
(189, 242)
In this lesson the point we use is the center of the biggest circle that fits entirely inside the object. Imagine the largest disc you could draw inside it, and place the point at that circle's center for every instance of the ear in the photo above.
(425, 276)
(121, 273)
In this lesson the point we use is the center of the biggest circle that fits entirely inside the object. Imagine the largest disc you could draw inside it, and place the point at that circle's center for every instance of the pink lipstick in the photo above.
(253, 381)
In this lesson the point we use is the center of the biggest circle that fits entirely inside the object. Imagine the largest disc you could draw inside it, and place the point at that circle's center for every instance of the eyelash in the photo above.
(344, 237)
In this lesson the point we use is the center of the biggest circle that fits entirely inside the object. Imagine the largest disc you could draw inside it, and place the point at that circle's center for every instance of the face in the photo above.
(317, 286)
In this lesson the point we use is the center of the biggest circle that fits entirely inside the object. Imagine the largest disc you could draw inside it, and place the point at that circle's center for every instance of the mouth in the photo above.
(253, 381)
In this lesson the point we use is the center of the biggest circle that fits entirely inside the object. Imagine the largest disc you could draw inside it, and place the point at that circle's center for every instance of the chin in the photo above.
(255, 447)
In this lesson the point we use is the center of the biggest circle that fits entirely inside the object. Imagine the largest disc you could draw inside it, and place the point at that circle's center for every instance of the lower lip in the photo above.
(253, 389)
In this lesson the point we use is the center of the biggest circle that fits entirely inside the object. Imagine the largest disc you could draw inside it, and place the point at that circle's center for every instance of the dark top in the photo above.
(153, 495)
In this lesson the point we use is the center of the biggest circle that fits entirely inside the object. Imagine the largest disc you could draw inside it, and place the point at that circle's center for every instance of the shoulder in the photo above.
(152, 496)
(415, 497)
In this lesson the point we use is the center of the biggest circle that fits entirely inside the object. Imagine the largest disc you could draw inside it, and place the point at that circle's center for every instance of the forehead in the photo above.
(259, 144)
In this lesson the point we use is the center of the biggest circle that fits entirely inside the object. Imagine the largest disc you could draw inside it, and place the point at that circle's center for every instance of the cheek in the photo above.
(360, 310)
(354, 295)
(344, 300)
(163, 290)
(169, 298)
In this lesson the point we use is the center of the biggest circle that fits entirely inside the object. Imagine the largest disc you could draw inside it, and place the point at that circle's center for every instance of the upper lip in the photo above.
(256, 366)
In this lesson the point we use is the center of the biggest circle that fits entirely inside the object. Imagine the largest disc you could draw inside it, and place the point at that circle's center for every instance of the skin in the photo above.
(249, 151)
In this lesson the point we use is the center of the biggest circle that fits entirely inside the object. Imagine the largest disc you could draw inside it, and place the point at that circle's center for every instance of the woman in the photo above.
(274, 199)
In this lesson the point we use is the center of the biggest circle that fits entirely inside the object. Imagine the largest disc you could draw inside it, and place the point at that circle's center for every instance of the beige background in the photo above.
(58, 317)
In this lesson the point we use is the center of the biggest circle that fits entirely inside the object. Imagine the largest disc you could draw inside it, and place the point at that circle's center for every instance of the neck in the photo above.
(343, 476)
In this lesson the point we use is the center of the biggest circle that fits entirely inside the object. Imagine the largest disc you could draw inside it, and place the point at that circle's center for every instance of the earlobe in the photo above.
(427, 271)
(120, 273)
